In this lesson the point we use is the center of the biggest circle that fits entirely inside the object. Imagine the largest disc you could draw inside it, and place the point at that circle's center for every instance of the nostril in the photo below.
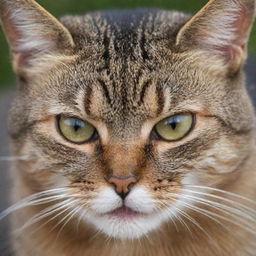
(113, 184)
(130, 186)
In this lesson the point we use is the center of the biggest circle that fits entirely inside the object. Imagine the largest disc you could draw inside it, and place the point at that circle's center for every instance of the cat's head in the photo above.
(128, 112)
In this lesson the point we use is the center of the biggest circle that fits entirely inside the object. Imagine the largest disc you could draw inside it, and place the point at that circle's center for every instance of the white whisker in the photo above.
(224, 192)
(178, 217)
(81, 215)
(66, 208)
(187, 216)
(68, 217)
(192, 220)
(200, 210)
(13, 158)
(237, 213)
(44, 214)
(35, 200)
(205, 214)
(232, 202)
(220, 207)
(172, 215)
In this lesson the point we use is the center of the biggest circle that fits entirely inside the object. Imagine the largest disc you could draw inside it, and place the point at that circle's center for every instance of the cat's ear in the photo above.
(220, 30)
(35, 37)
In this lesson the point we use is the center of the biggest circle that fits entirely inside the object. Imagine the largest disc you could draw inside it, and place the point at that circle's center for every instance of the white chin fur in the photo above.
(124, 229)
(139, 200)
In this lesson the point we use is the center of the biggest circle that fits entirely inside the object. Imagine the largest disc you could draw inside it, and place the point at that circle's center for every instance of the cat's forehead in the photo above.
(115, 95)
(120, 69)
(124, 30)
(127, 71)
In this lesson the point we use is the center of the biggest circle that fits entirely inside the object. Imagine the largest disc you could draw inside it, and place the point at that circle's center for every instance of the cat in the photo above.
(132, 131)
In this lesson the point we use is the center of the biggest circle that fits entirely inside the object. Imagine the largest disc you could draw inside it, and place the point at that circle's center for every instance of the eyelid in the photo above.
(71, 115)
(187, 106)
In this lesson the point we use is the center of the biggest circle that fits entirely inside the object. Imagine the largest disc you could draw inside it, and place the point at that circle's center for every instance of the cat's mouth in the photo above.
(125, 212)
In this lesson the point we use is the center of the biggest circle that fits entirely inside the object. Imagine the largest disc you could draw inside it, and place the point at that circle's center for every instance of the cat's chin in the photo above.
(123, 225)
(131, 219)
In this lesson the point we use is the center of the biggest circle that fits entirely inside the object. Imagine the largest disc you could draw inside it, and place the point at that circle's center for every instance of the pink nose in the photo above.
(122, 185)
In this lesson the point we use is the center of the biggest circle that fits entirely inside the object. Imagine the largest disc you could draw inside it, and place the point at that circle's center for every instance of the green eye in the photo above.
(75, 130)
(175, 127)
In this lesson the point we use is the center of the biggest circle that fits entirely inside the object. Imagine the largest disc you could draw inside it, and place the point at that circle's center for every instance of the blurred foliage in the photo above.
(61, 7)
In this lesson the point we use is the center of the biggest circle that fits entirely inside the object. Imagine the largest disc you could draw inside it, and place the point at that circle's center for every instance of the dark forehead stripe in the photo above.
(128, 30)
(161, 100)
(105, 91)
(87, 99)
(124, 57)
(143, 42)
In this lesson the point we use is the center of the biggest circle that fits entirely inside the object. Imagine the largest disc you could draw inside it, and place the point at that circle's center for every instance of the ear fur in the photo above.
(221, 29)
(33, 35)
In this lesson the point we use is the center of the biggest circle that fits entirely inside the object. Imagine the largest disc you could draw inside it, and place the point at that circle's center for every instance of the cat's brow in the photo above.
(230, 127)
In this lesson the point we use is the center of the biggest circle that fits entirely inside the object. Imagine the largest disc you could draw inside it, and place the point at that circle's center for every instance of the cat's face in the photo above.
(91, 118)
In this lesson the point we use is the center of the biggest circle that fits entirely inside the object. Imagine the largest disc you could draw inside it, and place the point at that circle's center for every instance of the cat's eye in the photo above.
(175, 127)
(75, 130)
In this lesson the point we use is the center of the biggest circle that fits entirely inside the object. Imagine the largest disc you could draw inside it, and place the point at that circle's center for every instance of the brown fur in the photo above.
(124, 71)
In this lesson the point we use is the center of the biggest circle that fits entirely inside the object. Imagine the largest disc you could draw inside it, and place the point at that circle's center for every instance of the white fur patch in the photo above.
(125, 229)
(106, 201)
(139, 200)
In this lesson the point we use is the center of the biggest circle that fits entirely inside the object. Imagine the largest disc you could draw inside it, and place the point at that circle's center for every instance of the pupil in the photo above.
(174, 122)
(76, 125)
(173, 125)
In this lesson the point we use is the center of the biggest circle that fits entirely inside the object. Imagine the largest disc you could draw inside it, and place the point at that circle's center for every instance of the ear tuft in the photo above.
(221, 29)
(32, 33)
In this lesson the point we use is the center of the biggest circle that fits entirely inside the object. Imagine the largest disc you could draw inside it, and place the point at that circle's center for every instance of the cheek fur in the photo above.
(224, 156)
(141, 200)
(106, 200)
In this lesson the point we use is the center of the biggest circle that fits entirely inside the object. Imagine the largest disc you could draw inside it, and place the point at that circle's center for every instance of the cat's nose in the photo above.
(122, 185)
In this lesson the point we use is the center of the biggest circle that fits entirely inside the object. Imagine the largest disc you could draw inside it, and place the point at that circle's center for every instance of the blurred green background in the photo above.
(61, 7)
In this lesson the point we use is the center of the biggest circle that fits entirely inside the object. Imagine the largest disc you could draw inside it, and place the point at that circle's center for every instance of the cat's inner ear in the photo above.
(221, 30)
(33, 34)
